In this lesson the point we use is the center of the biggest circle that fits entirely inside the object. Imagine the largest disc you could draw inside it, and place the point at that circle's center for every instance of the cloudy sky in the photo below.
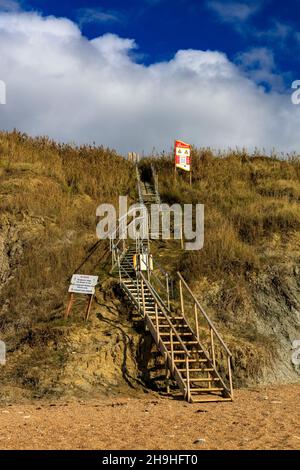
(135, 75)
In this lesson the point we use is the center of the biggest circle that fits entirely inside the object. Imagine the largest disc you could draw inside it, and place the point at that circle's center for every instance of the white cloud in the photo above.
(9, 5)
(97, 15)
(238, 14)
(259, 64)
(278, 31)
(233, 11)
(74, 89)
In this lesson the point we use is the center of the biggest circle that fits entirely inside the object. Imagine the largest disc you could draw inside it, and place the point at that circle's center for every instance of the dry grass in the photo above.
(248, 199)
(252, 211)
(49, 195)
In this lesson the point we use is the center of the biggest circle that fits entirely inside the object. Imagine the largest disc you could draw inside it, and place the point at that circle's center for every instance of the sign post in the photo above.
(183, 157)
(82, 284)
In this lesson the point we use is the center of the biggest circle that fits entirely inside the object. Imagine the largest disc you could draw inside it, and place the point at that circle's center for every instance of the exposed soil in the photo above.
(260, 418)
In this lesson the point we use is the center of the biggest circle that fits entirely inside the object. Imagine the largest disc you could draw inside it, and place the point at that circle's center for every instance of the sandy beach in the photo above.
(260, 418)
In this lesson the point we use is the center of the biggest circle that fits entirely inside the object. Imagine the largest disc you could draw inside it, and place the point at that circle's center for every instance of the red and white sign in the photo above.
(182, 155)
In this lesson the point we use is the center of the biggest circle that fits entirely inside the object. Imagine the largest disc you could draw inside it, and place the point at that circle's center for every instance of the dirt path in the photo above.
(263, 418)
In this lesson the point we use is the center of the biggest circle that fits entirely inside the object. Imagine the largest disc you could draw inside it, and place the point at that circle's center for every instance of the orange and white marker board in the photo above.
(182, 155)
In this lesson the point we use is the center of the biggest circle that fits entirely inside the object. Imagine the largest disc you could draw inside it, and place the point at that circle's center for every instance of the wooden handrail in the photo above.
(204, 314)
(160, 303)
(164, 307)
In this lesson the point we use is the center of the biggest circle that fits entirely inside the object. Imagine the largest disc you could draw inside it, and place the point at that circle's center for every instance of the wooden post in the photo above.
(156, 322)
(143, 297)
(212, 347)
(138, 291)
(188, 393)
(168, 290)
(181, 297)
(69, 306)
(230, 376)
(172, 349)
(196, 321)
(89, 305)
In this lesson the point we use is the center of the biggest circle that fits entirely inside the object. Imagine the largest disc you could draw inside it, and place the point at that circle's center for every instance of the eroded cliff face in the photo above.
(109, 355)
(47, 355)
(260, 331)
(112, 353)
(248, 278)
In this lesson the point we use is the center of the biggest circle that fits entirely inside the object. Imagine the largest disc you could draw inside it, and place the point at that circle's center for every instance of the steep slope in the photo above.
(48, 199)
(247, 274)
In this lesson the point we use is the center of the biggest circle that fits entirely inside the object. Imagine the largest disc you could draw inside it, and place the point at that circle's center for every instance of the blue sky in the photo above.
(161, 27)
(134, 75)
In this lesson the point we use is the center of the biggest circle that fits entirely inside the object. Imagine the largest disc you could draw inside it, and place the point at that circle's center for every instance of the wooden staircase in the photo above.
(192, 362)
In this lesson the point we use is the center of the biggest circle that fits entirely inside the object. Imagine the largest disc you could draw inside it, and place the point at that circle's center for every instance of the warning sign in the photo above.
(80, 289)
(182, 155)
(82, 284)
(84, 280)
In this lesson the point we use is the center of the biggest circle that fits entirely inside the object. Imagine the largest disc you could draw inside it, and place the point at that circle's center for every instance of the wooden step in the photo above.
(182, 351)
(170, 318)
(178, 342)
(148, 298)
(203, 390)
(191, 360)
(146, 301)
(168, 333)
(196, 370)
(203, 379)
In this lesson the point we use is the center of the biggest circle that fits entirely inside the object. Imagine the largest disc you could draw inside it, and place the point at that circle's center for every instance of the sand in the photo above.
(261, 418)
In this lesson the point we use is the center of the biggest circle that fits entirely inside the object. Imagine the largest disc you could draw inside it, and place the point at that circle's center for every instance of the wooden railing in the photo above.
(200, 317)
(162, 309)
(142, 284)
